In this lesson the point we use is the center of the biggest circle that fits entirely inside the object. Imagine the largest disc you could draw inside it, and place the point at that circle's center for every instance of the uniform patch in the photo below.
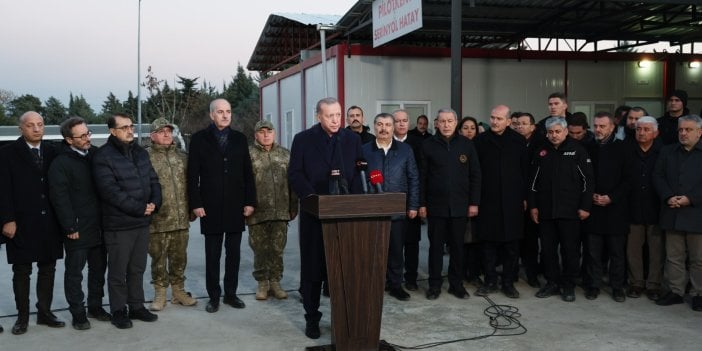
(568, 153)
(463, 158)
(543, 153)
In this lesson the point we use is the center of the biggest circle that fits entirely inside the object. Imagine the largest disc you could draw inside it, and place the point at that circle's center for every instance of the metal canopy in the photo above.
(500, 24)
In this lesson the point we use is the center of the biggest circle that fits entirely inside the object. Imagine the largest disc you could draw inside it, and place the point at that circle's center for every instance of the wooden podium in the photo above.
(356, 231)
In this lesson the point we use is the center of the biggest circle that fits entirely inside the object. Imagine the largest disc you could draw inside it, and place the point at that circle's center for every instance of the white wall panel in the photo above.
(290, 100)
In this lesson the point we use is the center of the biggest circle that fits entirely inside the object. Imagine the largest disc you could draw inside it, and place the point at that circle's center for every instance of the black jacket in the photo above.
(365, 135)
(504, 165)
(221, 182)
(126, 183)
(668, 127)
(644, 204)
(419, 134)
(24, 199)
(75, 199)
(609, 166)
(450, 176)
(561, 181)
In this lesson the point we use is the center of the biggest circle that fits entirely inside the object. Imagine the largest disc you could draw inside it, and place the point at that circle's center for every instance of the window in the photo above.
(413, 108)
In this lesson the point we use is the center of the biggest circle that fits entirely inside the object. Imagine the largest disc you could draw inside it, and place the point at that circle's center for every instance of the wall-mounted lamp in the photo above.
(644, 64)
(693, 64)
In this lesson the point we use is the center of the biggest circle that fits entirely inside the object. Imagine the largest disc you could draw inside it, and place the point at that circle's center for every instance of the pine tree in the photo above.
(110, 106)
(23, 104)
(78, 106)
(54, 111)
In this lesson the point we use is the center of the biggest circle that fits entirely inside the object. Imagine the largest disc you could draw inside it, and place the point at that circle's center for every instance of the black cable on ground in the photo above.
(504, 319)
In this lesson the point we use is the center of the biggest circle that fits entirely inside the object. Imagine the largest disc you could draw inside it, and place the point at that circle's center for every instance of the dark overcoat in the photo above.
(24, 199)
(679, 172)
(450, 176)
(308, 174)
(609, 166)
(644, 204)
(504, 166)
(221, 182)
(75, 198)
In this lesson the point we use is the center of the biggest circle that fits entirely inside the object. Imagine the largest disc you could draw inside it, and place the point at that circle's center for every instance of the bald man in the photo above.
(28, 221)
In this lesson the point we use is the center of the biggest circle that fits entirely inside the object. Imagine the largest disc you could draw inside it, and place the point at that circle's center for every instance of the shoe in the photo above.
(618, 295)
(159, 301)
(534, 282)
(592, 293)
(510, 291)
(312, 330)
(568, 294)
(99, 313)
(120, 319)
(20, 326)
(670, 298)
(180, 296)
(653, 294)
(212, 306)
(475, 281)
(697, 303)
(548, 290)
(262, 290)
(233, 301)
(433, 293)
(399, 293)
(486, 289)
(634, 292)
(411, 286)
(80, 322)
(459, 292)
(142, 314)
(49, 320)
(278, 291)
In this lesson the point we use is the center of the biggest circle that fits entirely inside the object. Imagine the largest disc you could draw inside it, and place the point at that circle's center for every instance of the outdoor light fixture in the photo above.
(693, 64)
(644, 64)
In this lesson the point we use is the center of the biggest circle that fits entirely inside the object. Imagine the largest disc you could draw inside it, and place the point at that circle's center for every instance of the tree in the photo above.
(130, 105)
(54, 111)
(23, 104)
(5, 120)
(110, 106)
(243, 94)
(78, 106)
(5, 97)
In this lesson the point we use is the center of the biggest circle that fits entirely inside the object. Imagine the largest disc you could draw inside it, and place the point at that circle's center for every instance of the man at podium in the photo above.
(322, 161)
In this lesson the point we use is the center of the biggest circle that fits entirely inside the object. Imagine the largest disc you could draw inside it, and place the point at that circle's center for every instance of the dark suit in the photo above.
(221, 181)
(311, 161)
(24, 199)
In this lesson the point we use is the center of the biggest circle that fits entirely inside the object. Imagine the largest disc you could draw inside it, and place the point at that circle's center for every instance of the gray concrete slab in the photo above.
(551, 324)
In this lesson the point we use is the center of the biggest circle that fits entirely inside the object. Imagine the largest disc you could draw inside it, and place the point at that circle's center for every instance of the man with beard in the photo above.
(676, 106)
(354, 120)
(421, 130)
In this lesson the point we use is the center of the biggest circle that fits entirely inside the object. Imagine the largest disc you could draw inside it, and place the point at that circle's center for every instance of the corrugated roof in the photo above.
(497, 24)
(308, 19)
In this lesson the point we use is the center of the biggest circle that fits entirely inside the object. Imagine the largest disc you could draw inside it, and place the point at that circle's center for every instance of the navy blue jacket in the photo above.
(398, 167)
(126, 182)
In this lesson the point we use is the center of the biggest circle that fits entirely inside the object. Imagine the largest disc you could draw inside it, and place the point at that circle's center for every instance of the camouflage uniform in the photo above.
(168, 242)
(277, 204)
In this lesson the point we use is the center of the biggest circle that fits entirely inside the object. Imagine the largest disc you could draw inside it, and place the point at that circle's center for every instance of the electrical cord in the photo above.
(504, 319)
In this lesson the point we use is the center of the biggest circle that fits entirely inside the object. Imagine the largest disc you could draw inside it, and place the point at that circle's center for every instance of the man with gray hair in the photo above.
(644, 208)
(678, 180)
(449, 194)
(560, 197)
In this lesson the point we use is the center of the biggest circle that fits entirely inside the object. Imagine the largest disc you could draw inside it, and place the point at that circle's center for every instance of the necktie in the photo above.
(37, 157)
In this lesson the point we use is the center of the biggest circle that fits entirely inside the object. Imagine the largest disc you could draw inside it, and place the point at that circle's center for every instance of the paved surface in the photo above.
(550, 324)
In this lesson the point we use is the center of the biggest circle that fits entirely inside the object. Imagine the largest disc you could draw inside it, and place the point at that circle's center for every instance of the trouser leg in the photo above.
(73, 279)
(438, 226)
(258, 240)
(136, 268)
(97, 265)
(616, 247)
(634, 254)
(158, 250)
(232, 248)
(411, 248)
(549, 250)
(594, 262)
(20, 286)
(569, 237)
(213, 253)
(177, 256)
(694, 248)
(489, 253)
(45, 285)
(456, 232)
(656, 253)
(675, 248)
(510, 261)
(397, 239)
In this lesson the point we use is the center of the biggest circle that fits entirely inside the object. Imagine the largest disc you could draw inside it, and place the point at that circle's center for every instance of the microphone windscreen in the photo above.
(376, 177)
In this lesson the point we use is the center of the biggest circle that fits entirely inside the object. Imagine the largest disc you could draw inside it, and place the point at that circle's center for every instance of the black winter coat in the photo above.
(504, 166)
(221, 182)
(609, 165)
(561, 181)
(126, 183)
(75, 198)
(450, 176)
(644, 204)
(398, 167)
(668, 127)
(24, 199)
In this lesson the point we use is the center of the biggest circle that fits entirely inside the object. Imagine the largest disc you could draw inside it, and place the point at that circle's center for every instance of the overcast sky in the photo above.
(89, 47)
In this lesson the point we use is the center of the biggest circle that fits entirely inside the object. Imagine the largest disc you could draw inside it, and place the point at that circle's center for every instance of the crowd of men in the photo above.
(572, 204)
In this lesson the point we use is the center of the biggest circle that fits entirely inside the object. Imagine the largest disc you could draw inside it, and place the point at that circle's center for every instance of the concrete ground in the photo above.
(548, 324)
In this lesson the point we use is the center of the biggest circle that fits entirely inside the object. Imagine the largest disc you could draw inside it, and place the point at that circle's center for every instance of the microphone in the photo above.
(334, 182)
(376, 179)
(362, 167)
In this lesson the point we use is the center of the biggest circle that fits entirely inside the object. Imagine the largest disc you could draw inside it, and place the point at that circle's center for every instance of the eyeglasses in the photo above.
(84, 136)
(125, 128)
